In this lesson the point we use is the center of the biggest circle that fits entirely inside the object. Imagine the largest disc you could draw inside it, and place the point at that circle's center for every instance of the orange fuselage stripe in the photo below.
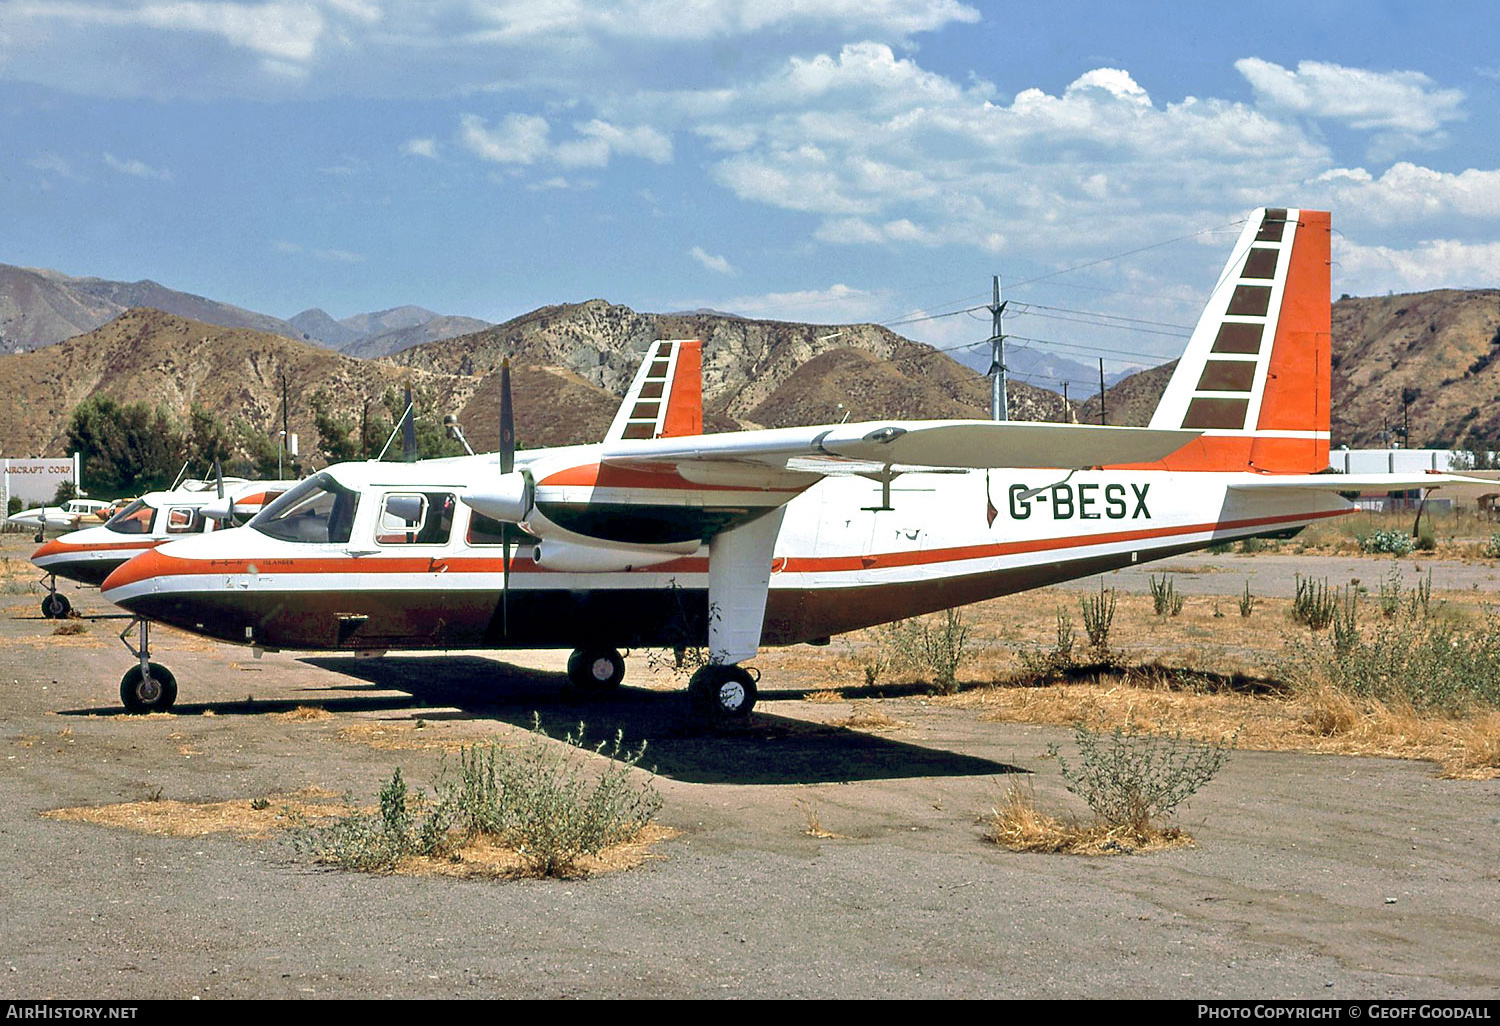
(158, 564)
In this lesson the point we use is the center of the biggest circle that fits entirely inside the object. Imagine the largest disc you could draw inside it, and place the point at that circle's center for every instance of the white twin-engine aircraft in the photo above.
(661, 536)
(91, 554)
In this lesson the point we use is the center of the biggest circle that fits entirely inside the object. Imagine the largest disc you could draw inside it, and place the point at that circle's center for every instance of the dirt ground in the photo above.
(1313, 875)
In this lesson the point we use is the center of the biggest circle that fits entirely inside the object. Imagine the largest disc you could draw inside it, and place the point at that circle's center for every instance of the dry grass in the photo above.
(484, 859)
(1018, 825)
(815, 826)
(1327, 722)
(238, 816)
(71, 627)
(869, 716)
(1207, 677)
(826, 695)
(241, 818)
(397, 736)
(303, 714)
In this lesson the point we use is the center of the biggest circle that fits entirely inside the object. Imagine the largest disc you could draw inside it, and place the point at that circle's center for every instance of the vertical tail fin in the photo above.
(666, 398)
(1255, 375)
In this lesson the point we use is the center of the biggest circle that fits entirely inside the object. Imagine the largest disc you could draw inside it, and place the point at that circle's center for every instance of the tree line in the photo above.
(133, 448)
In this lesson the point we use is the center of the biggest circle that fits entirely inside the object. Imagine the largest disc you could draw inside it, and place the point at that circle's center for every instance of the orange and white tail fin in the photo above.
(1255, 375)
(666, 398)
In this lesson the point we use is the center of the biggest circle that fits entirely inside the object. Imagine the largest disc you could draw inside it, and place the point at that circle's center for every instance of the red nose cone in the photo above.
(142, 568)
(55, 547)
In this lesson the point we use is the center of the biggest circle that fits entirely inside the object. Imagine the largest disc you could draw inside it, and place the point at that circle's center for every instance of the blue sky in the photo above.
(872, 160)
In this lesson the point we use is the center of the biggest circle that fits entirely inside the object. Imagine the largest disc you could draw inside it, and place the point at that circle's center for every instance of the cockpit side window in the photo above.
(317, 510)
(416, 518)
(135, 518)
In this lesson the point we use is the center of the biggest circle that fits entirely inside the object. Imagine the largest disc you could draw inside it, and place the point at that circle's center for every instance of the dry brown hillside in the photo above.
(914, 385)
(1440, 350)
(1131, 401)
(161, 359)
(148, 355)
(754, 372)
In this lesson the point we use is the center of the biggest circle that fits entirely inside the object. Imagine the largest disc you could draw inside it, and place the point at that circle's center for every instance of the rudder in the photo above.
(666, 398)
(1255, 376)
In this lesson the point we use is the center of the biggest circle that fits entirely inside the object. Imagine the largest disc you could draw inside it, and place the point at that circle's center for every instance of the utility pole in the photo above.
(1101, 390)
(999, 401)
(1067, 408)
(281, 444)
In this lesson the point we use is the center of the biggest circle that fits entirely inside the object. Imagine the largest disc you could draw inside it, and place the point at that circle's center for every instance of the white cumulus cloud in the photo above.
(717, 264)
(1400, 101)
(1431, 264)
(136, 168)
(526, 139)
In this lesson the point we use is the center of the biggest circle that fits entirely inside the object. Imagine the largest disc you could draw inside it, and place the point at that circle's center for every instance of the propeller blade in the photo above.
(507, 421)
(219, 477)
(409, 430)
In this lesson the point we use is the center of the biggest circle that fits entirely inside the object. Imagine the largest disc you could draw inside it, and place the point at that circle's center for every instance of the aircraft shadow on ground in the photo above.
(771, 749)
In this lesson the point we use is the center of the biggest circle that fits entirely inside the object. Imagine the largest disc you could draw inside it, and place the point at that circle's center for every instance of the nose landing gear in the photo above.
(146, 687)
(55, 606)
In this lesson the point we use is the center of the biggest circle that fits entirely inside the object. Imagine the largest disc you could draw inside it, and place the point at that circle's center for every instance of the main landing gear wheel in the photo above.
(596, 670)
(148, 692)
(56, 607)
(722, 695)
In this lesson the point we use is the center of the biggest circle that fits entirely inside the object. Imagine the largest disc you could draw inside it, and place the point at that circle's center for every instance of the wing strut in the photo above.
(739, 575)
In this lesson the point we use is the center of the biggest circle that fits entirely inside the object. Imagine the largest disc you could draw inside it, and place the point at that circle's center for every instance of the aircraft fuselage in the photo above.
(840, 563)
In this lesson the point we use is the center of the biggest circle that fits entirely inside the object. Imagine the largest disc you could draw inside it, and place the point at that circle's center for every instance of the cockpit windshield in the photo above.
(136, 518)
(317, 510)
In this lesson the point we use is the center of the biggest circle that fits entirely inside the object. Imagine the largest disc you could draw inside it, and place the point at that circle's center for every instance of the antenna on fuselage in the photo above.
(408, 416)
(455, 430)
(409, 429)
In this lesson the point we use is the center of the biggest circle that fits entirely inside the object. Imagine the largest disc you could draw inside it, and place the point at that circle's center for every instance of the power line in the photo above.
(1105, 324)
(1065, 270)
(1108, 316)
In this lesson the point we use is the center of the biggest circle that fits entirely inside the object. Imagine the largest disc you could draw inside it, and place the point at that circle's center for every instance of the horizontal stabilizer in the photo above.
(1353, 482)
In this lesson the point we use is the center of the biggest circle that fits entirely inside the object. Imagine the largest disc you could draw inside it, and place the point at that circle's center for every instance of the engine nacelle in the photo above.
(572, 557)
(509, 498)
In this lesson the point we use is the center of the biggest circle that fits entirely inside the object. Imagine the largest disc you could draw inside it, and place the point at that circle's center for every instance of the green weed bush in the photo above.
(1396, 543)
(934, 646)
(538, 798)
(1098, 620)
(1131, 776)
(1315, 603)
(1410, 659)
(1165, 599)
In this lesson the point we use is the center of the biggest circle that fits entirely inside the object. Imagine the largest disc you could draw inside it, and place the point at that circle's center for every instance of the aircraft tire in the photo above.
(56, 607)
(596, 670)
(142, 695)
(722, 695)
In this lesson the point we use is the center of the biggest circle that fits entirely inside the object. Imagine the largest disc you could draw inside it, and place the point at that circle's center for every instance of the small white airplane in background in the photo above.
(58, 518)
(91, 554)
(661, 536)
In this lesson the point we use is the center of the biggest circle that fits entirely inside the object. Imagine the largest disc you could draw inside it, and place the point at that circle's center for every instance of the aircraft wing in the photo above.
(911, 444)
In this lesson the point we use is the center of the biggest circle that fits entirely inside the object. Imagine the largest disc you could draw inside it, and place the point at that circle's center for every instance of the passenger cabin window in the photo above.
(316, 510)
(184, 520)
(135, 518)
(415, 518)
